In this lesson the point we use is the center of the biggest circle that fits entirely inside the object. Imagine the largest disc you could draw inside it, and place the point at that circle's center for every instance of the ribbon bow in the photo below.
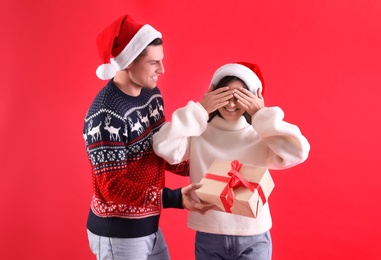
(234, 181)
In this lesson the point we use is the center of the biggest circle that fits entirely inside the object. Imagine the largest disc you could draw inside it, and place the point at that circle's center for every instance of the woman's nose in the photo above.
(232, 102)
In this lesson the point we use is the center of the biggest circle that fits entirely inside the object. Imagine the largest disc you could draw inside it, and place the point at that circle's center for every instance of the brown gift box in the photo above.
(236, 188)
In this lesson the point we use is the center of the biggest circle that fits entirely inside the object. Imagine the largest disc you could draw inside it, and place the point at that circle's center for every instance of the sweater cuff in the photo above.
(201, 108)
(172, 198)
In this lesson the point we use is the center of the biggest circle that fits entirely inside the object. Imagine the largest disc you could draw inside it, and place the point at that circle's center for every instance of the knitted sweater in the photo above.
(269, 142)
(128, 177)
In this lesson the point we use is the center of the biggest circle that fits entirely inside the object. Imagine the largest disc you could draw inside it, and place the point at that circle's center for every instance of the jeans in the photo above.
(152, 247)
(214, 246)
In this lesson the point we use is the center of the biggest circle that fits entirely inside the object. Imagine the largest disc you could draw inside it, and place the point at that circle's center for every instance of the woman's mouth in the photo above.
(230, 109)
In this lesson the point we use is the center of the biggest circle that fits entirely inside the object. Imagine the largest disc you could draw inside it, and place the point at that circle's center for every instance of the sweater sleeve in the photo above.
(286, 146)
(108, 156)
(181, 169)
(173, 139)
(172, 198)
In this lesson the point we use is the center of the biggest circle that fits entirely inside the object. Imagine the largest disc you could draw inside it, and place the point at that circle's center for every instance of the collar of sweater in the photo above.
(222, 124)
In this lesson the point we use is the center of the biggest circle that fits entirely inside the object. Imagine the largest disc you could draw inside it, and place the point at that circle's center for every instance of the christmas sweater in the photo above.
(128, 177)
(268, 142)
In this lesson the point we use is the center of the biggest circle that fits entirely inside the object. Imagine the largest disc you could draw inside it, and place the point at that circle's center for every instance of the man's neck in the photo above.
(124, 83)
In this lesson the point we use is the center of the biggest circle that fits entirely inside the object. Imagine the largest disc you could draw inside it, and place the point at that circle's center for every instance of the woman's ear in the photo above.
(211, 87)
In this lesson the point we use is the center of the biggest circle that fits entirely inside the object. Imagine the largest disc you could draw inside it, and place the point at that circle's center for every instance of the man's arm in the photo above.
(182, 198)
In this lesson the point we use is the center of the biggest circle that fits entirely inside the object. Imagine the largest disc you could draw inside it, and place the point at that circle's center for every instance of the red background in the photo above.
(321, 63)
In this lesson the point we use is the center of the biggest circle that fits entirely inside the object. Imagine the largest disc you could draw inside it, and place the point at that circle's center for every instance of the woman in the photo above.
(231, 122)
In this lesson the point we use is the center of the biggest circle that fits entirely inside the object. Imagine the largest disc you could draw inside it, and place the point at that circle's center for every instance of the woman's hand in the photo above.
(248, 101)
(214, 99)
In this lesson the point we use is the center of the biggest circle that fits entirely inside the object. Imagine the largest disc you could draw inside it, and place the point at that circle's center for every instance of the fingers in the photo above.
(242, 92)
(244, 97)
(200, 207)
(215, 99)
(248, 100)
(188, 189)
(203, 208)
(190, 203)
(221, 90)
(222, 95)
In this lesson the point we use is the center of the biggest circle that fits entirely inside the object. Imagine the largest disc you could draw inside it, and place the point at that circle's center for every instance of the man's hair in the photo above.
(222, 83)
(156, 42)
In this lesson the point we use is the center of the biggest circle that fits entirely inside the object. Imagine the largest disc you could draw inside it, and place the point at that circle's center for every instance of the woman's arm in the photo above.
(286, 145)
(172, 140)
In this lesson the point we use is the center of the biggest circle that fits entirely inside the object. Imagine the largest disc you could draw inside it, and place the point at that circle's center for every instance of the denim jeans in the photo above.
(214, 246)
(152, 247)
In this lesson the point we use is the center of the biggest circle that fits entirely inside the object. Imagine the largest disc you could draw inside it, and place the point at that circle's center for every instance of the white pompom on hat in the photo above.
(120, 43)
(246, 71)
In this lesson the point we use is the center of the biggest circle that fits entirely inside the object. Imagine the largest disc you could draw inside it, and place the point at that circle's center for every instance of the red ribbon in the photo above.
(234, 181)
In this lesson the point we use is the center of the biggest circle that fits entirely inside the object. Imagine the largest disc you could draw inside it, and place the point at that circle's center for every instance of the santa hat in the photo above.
(120, 43)
(246, 71)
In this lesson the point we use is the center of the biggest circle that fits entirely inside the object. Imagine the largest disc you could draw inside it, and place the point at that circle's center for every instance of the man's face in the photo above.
(146, 70)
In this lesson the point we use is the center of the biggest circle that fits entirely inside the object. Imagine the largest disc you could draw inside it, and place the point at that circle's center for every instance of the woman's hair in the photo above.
(222, 83)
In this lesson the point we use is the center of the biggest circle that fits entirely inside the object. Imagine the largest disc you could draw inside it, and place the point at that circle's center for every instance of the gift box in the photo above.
(236, 188)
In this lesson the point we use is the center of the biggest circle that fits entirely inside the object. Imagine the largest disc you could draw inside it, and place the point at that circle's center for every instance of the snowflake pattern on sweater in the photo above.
(127, 175)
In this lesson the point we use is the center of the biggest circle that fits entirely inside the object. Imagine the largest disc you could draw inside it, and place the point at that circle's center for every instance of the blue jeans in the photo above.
(214, 246)
(152, 247)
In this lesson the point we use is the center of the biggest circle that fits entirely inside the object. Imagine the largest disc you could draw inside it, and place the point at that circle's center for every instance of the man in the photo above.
(128, 177)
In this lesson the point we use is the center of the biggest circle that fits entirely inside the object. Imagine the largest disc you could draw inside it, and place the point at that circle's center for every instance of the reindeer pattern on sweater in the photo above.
(127, 175)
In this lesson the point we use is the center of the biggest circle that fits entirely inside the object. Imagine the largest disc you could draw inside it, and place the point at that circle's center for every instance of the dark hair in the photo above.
(222, 83)
(156, 42)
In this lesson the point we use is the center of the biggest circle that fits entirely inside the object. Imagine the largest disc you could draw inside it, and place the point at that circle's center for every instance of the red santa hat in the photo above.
(246, 71)
(120, 43)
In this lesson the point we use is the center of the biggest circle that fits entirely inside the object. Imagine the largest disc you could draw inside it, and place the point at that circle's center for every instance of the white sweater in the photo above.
(269, 142)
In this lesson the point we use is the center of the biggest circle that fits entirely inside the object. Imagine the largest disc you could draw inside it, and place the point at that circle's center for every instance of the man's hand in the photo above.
(191, 204)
